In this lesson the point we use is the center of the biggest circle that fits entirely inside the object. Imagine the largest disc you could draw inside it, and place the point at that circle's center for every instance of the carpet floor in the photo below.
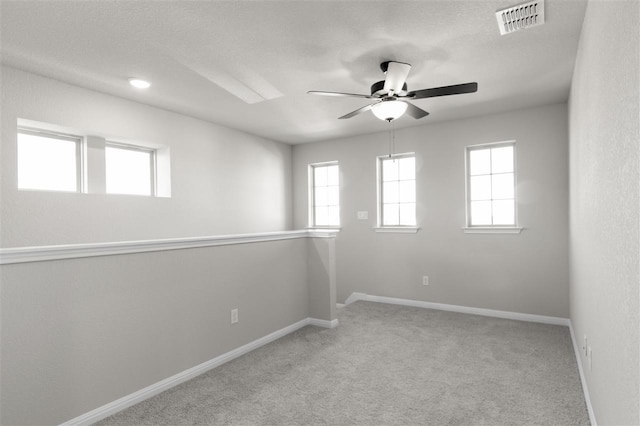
(386, 365)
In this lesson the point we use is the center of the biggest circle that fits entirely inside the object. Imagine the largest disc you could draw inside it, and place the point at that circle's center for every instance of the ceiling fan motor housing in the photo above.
(377, 88)
(392, 96)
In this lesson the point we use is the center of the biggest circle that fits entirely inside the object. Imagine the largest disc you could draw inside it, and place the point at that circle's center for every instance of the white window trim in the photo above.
(80, 150)
(400, 229)
(153, 190)
(397, 229)
(490, 229)
(311, 193)
(92, 157)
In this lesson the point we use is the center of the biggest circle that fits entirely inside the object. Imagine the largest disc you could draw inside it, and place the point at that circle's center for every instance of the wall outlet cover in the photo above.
(364, 215)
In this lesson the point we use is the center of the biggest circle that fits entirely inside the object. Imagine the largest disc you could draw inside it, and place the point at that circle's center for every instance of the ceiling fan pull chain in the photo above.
(393, 135)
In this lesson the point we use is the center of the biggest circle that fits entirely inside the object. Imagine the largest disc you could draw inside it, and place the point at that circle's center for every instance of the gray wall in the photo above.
(321, 278)
(525, 273)
(80, 333)
(604, 234)
(223, 181)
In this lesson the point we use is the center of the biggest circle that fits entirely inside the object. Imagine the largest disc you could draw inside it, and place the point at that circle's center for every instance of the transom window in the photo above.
(397, 190)
(324, 194)
(491, 185)
(129, 169)
(49, 161)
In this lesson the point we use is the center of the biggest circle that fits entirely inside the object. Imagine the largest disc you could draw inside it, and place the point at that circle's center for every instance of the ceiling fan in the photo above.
(392, 96)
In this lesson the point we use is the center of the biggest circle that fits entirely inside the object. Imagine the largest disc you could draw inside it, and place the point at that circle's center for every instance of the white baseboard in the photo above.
(154, 389)
(456, 308)
(323, 323)
(355, 297)
(583, 379)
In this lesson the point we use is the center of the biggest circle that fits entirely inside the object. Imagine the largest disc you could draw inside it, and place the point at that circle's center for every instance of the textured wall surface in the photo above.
(604, 230)
(223, 181)
(525, 273)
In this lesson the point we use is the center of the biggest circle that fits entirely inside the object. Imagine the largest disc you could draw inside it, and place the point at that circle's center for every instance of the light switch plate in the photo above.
(363, 215)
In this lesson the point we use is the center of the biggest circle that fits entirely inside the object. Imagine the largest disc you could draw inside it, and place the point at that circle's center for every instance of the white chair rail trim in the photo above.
(72, 251)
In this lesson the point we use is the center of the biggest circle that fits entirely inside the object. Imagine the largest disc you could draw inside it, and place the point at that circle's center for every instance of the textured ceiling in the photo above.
(248, 65)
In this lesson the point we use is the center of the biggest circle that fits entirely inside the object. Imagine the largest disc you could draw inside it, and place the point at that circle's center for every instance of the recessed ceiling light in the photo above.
(139, 84)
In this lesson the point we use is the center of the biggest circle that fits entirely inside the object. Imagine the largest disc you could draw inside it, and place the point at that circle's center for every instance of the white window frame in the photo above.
(408, 229)
(80, 163)
(311, 192)
(152, 166)
(490, 229)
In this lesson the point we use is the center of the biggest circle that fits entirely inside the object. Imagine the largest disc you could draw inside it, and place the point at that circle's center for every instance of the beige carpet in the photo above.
(387, 365)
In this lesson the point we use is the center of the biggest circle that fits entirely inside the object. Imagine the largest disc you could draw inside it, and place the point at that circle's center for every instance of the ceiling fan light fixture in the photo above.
(389, 110)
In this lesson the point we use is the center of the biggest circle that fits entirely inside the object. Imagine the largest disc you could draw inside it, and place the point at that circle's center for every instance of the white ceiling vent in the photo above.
(525, 15)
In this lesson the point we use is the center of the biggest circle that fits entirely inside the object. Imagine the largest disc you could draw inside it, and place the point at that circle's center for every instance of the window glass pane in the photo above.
(502, 159)
(503, 212)
(333, 194)
(479, 162)
(492, 181)
(322, 215)
(480, 187)
(407, 191)
(326, 195)
(321, 196)
(48, 163)
(502, 186)
(320, 176)
(332, 175)
(407, 168)
(128, 171)
(333, 216)
(481, 213)
(390, 169)
(408, 214)
(391, 214)
(390, 192)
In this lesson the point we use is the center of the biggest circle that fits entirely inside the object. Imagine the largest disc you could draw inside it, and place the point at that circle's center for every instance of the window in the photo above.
(324, 194)
(491, 182)
(129, 170)
(49, 161)
(397, 190)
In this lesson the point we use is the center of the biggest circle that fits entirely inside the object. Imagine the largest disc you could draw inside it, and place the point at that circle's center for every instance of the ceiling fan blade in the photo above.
(350, 95)
(456, 89)
(397, 73)
(358, 111)
(414, 111)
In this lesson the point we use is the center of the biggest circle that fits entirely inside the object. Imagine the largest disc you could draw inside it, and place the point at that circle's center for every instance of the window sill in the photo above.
(324, 228)
(397, 229)
(492, 230)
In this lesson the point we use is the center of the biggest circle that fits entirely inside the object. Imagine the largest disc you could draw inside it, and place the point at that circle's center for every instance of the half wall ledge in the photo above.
(73, 251)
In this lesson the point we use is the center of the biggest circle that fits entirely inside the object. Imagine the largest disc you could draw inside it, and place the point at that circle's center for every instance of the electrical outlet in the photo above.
(585, 346)
(590, 359)
(425, 280)
(363, 215)
(234, 316)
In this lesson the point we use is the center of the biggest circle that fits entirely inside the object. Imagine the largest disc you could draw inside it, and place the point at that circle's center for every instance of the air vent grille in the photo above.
(525, 15)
